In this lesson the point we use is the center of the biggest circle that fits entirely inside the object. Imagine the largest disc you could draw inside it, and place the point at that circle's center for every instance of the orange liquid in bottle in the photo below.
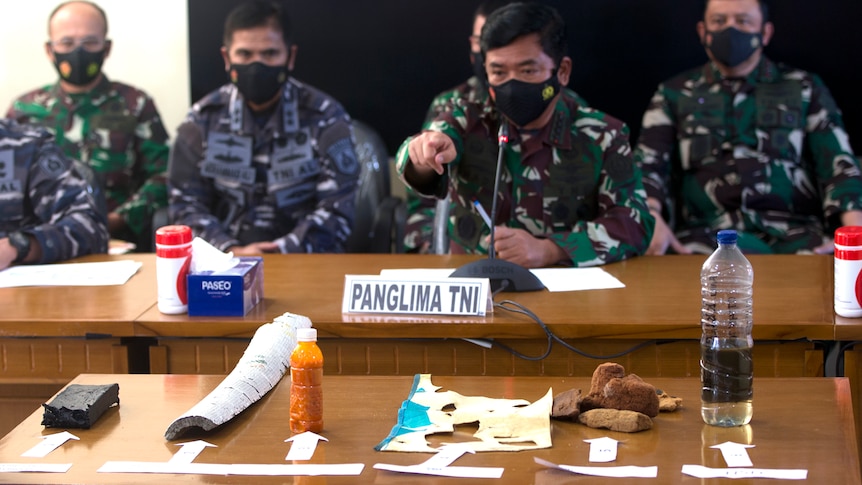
(306, 384)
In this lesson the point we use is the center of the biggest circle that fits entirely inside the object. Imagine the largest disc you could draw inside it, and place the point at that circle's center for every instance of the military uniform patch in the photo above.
(7, 164)
(342, 154)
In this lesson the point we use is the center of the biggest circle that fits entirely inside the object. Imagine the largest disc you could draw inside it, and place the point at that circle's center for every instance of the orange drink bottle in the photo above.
(306, 383)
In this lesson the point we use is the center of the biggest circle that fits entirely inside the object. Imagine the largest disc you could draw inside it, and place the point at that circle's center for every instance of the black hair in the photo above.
(764, 9)
(488, 6)
(98, 9)
(515, 20)
(257, 13)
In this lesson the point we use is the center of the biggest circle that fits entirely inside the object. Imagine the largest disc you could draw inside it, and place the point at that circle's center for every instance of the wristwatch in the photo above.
(21, 242)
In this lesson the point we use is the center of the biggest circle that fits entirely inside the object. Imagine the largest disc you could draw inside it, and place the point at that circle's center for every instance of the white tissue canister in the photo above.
(848, 271)
(173, 257)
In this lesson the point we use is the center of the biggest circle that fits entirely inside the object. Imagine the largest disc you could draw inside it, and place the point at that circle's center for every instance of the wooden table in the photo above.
(661, 302)
(792, 299)
(44, 331)
(78, 311)
(798, 423)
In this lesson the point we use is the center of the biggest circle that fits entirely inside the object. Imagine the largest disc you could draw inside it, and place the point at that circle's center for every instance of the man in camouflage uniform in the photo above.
(571, 191)
(747, 144)
(113, 127)
(265, 163)
(47, 213)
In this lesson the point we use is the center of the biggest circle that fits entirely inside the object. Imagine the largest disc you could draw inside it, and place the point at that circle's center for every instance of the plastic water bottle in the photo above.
(173, 258)
(726, 369)
(306, 383)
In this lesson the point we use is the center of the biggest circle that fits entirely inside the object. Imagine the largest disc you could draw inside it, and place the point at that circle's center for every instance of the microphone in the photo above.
(503, 275)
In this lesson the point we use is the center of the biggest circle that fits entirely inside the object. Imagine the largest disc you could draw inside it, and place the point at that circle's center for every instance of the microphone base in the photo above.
(501, 273)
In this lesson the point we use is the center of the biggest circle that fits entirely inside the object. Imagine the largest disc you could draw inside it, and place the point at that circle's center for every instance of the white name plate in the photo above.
(446, 296)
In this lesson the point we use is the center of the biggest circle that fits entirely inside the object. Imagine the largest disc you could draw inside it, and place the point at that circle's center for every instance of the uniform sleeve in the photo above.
(70, 224)
(656, 147)
(837, 168)
(623, 225)
(327, 227)
(191, 195)
(151, 160)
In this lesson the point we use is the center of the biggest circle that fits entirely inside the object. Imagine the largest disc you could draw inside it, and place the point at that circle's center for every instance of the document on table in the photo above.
(105, 273)
(554, 279)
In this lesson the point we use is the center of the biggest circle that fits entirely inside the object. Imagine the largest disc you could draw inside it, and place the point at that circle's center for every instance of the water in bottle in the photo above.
(726, 368)
(306, 383)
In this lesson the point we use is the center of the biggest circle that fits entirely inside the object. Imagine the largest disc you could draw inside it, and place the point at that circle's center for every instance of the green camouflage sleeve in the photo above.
(656, 147)
(151, 162)
(837, 168)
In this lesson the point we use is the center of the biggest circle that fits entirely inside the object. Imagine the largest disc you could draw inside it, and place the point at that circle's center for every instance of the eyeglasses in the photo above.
(68, 44)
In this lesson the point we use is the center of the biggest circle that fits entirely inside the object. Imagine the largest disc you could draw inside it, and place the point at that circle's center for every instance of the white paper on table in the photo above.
(250, 469)
(421, 274)
(555, 279)
(35, 467)
(446, 471)
(706, 472)
(604, 471)
(576, 279)
(106, 273)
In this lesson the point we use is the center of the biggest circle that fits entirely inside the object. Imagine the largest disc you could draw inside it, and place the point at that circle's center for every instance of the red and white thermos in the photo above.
(848, 271)
(173, 258)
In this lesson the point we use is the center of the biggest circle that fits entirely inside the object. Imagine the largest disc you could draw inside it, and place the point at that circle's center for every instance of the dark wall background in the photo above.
(384, 60)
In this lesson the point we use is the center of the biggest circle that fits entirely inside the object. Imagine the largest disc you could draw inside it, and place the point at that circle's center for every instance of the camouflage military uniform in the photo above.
(573, 182)
(420, 210)
(116, 129)
(42, 196)
(766, 155)
(288, 176)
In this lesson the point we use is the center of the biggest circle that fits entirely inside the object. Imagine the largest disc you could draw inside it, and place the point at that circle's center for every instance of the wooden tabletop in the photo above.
(800, 423)
(792, 299)
(661, 300)
(75, 311)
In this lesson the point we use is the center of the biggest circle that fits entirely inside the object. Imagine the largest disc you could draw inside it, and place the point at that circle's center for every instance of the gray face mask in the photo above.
(732, 47)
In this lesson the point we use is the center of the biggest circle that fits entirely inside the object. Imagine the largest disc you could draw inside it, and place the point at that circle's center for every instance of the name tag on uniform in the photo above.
(228, 171)
(10, 186)
(449, 296)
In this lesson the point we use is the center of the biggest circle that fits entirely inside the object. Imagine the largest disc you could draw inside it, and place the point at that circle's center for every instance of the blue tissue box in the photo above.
(229, 293)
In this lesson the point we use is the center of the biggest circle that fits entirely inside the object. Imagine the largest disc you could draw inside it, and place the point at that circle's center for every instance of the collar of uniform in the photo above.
(765, 71)
(560, 132)
(95, 95)
(248, 124)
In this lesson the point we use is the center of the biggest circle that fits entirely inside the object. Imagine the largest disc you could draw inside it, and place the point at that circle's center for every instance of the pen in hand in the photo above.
(482, 213)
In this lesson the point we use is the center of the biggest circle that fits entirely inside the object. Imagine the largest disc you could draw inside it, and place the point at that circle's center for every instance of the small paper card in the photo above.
(447, 296)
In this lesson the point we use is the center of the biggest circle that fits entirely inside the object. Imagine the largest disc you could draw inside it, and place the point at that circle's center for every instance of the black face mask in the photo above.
(258, 82)
(79, 67)
(732, 47)
(479, 69)
(523, 102)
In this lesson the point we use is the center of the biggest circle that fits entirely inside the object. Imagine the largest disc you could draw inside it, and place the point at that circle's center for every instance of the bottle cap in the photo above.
(727, 236)
(173, 235)
(849, 236)
(306, 334)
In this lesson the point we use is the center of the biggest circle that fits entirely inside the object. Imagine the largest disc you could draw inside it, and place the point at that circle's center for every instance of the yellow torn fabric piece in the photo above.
(504, 424)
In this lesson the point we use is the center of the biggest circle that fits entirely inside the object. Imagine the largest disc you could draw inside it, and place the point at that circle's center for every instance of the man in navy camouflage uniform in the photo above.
(571, 193)
(266, 163)
(47, 213)
(747, 144)
(113, 127)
